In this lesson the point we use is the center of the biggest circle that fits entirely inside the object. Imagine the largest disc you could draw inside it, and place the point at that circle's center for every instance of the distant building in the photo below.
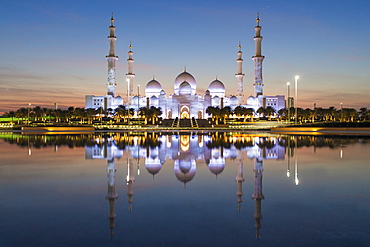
(185, 102)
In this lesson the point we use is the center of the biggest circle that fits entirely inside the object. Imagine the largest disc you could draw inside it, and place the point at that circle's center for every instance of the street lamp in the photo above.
(341, 112)
(138, 98)
(28, 113)
(288, 105)
(296, 98)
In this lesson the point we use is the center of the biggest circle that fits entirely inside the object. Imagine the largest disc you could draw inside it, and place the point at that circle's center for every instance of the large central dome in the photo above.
(185, 76)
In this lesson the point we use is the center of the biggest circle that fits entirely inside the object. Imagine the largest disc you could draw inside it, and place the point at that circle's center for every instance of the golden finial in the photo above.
(130, 46)
(185, 68)
(239, 46)
(258, 19)
(112, 20)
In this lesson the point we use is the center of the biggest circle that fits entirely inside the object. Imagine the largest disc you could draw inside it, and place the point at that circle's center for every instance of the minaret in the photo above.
(112, 195)
(112, 58)
(239, 76)
(257, 195)
(130, 75)
(258, 58)
(239, 179)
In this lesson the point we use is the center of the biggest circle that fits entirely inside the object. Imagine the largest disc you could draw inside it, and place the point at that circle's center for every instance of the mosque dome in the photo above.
(118, 100)
(185, 76)
(153, 166)
(216, 166)
(216, 87)
(153, 87)
(251, 100)
(233, 100)
(185, 170)
(184, 88)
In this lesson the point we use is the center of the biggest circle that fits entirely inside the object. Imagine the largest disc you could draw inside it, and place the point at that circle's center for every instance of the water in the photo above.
(217, 189)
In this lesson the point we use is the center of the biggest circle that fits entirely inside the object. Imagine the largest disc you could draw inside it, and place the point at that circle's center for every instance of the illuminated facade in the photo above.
(185, 103)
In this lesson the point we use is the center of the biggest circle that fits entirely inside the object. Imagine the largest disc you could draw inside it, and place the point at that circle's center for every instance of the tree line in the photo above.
(81, 115)
(303, 115)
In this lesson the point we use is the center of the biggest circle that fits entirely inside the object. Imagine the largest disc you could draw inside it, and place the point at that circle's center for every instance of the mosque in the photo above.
(185, 103)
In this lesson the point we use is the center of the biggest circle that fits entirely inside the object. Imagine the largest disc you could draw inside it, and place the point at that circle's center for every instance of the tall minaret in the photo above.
(257, 195)
(258, 58)
(112, 58)
(130, 75)
(239, 76)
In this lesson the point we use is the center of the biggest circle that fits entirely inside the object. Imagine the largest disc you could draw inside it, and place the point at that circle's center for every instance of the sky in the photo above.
(54, 51)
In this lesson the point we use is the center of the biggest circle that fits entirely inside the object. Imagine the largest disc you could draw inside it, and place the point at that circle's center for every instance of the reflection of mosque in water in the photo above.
(185, 151)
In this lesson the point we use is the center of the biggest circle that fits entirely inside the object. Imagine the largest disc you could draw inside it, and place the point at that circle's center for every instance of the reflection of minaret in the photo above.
(239, 76)
(258, 58)
(257, 195)
(239, 179)
(112, 58)
(289, 155)
(296, 163)
(112, 195)
(130, 180)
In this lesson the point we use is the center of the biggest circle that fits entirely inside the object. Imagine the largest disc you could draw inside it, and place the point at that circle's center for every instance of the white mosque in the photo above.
(185, 103)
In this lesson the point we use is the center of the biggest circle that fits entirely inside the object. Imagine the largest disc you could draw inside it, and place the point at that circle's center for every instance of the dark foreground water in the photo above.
(217, 189)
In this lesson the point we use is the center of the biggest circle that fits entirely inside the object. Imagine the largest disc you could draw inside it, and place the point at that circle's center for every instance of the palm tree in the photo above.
(121, 111)
(270, 111)
(363, 113)
(261, 111)
(215, 112)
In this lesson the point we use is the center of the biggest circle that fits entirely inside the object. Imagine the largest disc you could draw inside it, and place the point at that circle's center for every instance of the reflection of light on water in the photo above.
(341, 153)
(29, 151)
(288, 173)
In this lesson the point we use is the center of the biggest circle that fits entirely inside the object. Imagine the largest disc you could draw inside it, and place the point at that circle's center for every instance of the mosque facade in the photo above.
(185, 102)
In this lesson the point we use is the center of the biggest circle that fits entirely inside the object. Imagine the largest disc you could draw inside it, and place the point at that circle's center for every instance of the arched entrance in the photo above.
(200, 114)
(184, 112)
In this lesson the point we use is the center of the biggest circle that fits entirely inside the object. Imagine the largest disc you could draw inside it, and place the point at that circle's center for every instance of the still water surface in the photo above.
(216, 189)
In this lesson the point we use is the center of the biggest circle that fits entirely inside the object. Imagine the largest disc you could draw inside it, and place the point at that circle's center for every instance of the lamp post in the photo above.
(341, 112)
(138, 99)
(288, 105)
(296, 98)
(28, 113)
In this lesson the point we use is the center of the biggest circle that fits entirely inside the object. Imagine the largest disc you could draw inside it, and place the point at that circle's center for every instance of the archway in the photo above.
(200, 114)
(185, 112)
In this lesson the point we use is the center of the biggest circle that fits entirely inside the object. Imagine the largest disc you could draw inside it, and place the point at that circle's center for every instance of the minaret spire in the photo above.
(239, 76)
(112, 58)
(258, 58)
(130, 75)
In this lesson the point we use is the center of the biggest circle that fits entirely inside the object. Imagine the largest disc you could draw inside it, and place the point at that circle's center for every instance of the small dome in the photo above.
(233, 100)
(118, 100)
(216, 166)
(153, 166)
(184, 88)
(216, 87)
(153, 87)
(251, 100)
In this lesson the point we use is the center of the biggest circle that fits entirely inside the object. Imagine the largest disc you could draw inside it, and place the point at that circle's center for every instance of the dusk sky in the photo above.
(54, 51)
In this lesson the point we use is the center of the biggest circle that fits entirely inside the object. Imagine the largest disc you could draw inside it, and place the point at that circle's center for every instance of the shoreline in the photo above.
(255, 128)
